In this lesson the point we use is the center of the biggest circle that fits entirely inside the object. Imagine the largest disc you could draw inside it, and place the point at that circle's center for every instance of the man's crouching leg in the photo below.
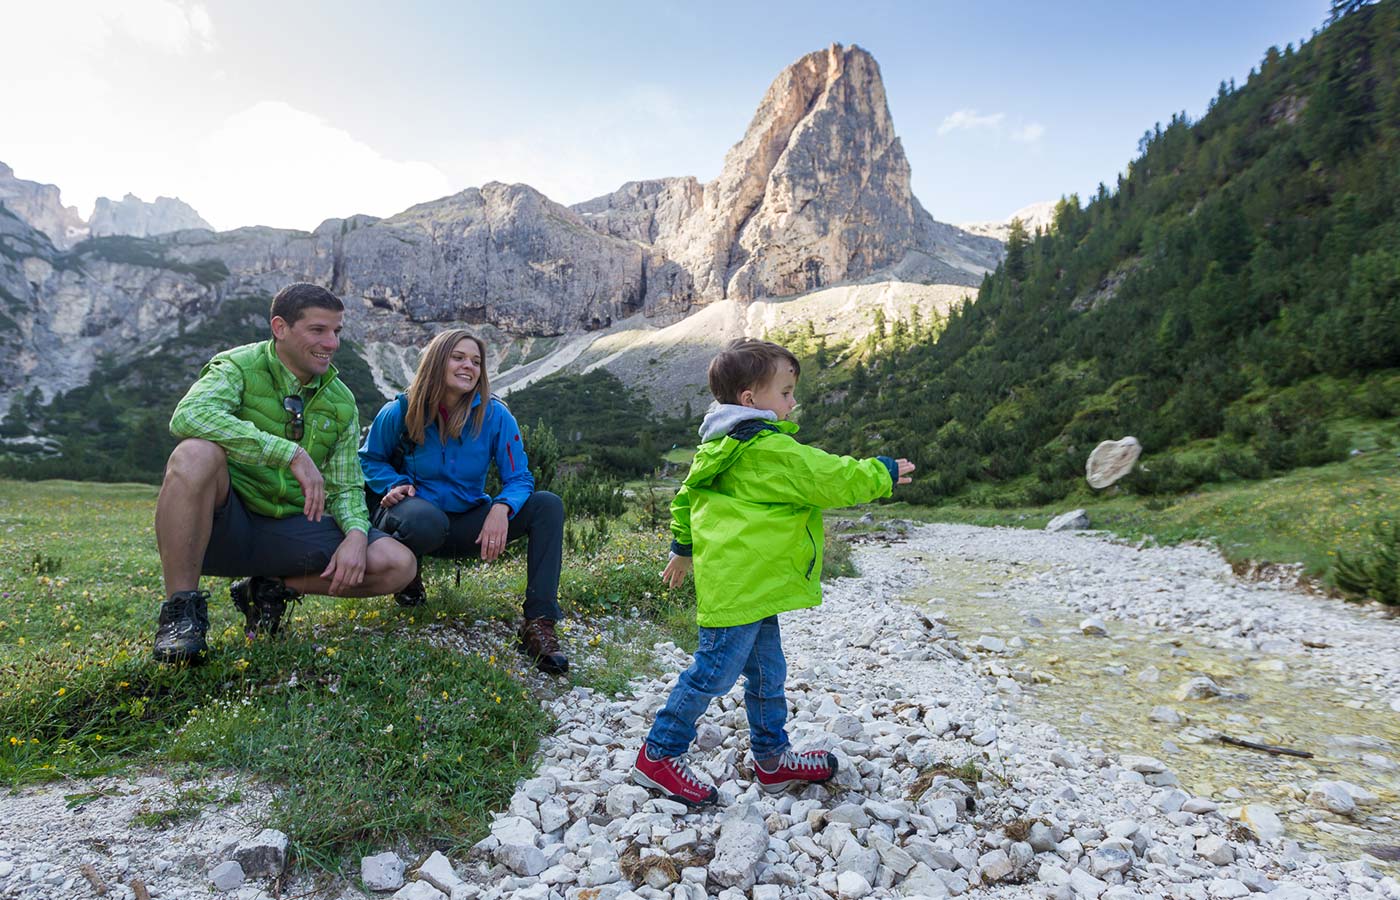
(195, 484)
(389, 567)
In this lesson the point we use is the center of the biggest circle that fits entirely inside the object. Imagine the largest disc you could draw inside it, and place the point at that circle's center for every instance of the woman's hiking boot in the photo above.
(671, 776)
(263, 602)
(539, 642)
(180, 629)
(808, 767)
(413, 594)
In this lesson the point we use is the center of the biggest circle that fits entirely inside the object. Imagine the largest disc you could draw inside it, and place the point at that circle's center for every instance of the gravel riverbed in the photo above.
(951, 782)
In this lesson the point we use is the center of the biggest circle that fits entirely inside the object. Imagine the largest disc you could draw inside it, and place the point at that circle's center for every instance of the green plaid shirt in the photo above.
(207, 412)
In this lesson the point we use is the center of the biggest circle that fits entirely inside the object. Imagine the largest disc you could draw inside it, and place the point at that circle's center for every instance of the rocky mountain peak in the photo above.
(42, 207)
(816, 192)
(134, 216)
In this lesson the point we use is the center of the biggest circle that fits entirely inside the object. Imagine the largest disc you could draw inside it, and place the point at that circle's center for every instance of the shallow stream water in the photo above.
(1101, 690)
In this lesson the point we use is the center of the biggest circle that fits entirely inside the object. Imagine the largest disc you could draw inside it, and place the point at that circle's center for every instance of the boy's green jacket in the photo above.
(751, 510)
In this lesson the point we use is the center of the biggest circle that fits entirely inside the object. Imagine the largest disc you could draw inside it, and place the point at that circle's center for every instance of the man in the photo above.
(266, 482)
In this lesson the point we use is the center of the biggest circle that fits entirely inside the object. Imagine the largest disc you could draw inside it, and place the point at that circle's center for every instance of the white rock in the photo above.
(851, 886)
(995, 865)
(624, 799)
(1226, 889)
(514, 830)
(1051, 874)
(1109, 858)
(437, 870)
(226, 876)
(382, 872)
(522, 859)
(1086, 885)
(743, 840)
(1144, 764)
(554, 814)
(419, 890)
(991, 644)
(943, 811)
(1215, 849)
(1263, 821)
(1074, 520)
(1094, 627)
(1199, 688)
(1333, 797)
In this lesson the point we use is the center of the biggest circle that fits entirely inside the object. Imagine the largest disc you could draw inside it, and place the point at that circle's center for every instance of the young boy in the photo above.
(749, 520)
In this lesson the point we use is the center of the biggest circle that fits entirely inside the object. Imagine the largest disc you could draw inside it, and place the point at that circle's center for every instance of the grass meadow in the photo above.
(380, 731)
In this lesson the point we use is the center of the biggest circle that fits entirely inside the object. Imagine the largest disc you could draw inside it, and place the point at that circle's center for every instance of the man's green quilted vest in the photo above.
(329, 409)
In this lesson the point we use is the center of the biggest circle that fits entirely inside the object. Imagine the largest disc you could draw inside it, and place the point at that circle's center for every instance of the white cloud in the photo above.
(273, 164)
(970, 119)
(1029, 133)
(83, 26)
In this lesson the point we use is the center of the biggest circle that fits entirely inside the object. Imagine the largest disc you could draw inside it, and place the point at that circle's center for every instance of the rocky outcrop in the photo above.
(817, 192)
(60, 312)
(41, 207)
(507, 255)
(1035, 216)
(134, 216)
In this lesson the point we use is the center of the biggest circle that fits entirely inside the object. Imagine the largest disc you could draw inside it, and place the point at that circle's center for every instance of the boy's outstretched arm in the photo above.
(802, 474)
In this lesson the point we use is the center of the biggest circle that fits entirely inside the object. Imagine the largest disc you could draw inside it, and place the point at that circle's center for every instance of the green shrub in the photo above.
(1375, 574)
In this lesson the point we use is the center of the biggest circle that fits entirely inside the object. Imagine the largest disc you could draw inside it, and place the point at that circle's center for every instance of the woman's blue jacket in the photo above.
(451, 475)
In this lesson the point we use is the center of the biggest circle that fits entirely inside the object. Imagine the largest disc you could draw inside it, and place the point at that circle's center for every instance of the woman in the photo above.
(426, 457)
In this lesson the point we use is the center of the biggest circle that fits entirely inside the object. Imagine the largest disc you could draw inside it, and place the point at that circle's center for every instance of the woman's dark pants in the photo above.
(428, 531)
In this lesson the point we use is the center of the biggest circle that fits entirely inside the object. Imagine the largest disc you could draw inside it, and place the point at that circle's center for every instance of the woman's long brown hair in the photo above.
(428, 393)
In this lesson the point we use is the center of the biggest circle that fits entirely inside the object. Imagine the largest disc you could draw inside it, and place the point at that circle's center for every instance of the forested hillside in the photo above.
(1234, 301)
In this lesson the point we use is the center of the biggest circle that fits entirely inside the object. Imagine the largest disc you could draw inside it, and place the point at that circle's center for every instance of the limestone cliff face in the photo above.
(60, 312)
(817, 192)
(136, 217)
(40, 206)
(507, 255)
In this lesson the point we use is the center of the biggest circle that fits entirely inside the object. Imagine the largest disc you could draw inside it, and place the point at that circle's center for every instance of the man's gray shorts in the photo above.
(245, 543)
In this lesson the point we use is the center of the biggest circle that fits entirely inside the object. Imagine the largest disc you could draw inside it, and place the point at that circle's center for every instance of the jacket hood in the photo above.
(718, 451)
(721, 418)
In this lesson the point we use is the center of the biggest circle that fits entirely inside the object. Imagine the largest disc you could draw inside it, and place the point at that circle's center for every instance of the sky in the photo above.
(274, 113)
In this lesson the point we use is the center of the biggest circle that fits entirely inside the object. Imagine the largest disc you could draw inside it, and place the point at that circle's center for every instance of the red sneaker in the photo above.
(808, 767)
(672, 777)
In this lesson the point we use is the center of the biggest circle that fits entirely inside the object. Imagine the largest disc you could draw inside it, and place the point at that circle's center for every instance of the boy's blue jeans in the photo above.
(754, 651)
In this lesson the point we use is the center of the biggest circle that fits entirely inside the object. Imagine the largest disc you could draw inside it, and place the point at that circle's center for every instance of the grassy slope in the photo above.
(350, 700)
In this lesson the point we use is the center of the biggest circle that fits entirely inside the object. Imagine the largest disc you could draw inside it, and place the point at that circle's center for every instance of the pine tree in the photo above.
(1016, 250)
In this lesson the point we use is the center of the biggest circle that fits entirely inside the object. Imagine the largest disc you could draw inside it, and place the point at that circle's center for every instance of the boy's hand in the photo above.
(905, 467)
(676, 570)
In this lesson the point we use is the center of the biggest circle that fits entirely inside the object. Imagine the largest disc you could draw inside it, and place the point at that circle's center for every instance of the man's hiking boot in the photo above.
(263, 602)
(413, 593)
(180, 630)
(671, 776)
(539, 642)
(808, 767)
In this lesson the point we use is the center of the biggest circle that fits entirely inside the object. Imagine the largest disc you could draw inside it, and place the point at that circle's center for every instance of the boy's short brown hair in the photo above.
(746, 364)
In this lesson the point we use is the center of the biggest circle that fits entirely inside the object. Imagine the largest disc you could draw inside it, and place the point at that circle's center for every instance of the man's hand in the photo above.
(905, 467)
(396, 493)
(347, 568)
(493, 532)
(313, 486)
(676, 570)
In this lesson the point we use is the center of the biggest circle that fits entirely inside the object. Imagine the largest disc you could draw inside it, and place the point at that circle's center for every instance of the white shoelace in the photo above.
(812, 759)
(681, 766)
